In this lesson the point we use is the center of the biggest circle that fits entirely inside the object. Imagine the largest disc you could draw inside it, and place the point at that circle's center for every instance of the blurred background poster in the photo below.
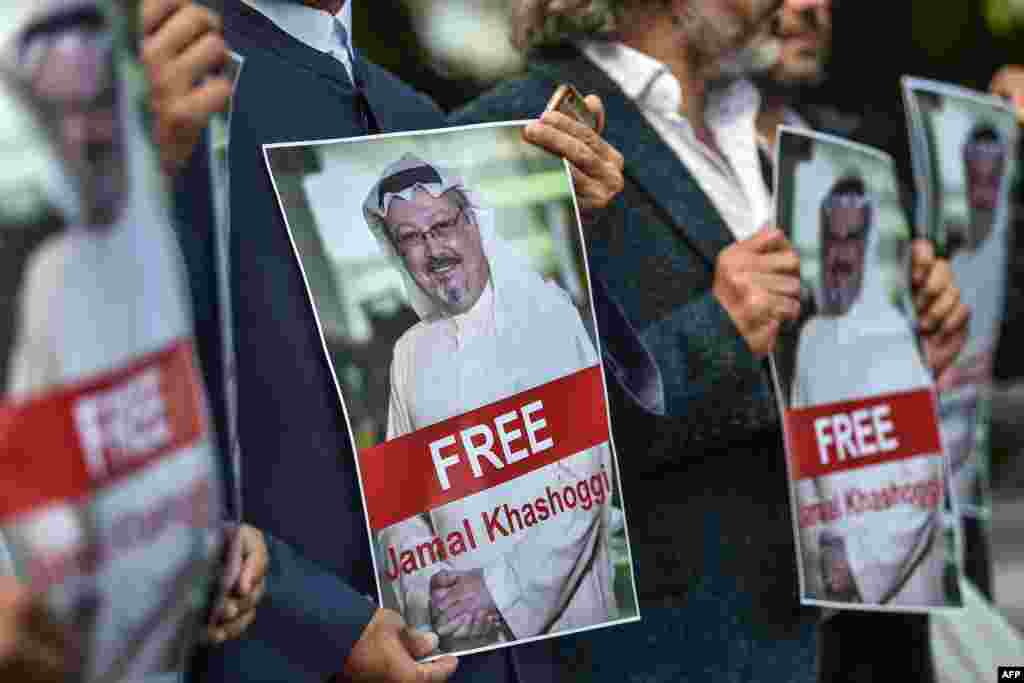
(868, 500)
(963, 144)
(104, 419)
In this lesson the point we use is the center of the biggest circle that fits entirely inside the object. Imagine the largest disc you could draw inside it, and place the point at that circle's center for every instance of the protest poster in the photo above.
(447, 275)
(864, 452)
(108, 493)
(963, 146)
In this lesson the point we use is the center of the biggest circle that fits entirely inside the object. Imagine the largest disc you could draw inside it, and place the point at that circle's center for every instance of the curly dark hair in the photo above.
(548, 23)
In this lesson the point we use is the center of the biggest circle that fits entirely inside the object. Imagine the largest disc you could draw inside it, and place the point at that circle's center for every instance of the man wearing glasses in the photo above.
(490, 327)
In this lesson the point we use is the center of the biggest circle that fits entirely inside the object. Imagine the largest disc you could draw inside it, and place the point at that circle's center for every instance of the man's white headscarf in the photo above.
(20, 59)
(20, 128)
(510, 273)
(873, 309)
(874, 337)
(523, 302)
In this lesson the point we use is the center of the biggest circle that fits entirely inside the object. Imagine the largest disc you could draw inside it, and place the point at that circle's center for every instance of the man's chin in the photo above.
(799, 73)
(839, 303)
(754, 59)
(104, 216)
(456, 300)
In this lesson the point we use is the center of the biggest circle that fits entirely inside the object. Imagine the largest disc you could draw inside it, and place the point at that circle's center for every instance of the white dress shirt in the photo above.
(790, 117)
(313, 27)
(897, 554)
(734, 183)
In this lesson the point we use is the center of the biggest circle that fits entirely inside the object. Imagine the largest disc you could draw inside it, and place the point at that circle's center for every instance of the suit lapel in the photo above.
(241, 18)
(378, 93)
(650, 162)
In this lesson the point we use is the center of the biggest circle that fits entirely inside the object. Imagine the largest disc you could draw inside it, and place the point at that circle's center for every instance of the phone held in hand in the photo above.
(568, 101)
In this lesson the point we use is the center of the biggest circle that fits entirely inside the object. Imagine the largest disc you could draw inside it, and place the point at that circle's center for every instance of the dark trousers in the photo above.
(700, 642)
(863, 647)
(977, 558)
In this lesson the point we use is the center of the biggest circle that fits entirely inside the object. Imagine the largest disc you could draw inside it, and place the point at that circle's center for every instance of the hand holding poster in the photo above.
(963, 145)
(107, 486)
(447, 275)
(862, 438)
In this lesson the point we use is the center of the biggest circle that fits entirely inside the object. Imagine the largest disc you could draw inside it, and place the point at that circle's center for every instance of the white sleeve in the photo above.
(799, 396)
(33, 364)
(412, 592)
(532, 585)
(882, 560)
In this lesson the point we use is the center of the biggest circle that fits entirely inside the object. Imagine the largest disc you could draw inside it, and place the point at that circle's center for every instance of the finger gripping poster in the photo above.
(864, 450)
(447, 275)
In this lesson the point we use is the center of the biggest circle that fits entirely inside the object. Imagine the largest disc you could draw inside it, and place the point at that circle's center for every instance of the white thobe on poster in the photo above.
(895, 555)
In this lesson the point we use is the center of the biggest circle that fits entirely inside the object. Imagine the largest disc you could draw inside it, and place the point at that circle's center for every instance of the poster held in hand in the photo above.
(107, 484)
(864, 451)
(963, 145)
(446, 272)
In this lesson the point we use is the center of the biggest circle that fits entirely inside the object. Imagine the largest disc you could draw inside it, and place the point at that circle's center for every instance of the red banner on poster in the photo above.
(843, 436)
(483, 448)
(63, 445)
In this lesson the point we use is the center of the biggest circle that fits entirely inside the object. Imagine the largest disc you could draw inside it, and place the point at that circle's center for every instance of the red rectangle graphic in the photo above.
(842, 436)
(483, 448)
(64, 444)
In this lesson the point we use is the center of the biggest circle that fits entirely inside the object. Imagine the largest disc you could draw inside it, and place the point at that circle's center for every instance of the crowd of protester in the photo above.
(676, 188)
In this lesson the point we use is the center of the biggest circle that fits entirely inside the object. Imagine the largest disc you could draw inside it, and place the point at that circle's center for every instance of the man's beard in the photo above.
(778, 80)
(452, 293)
(839, 298)
(104, 184)
(757, 57)
(453, 296)
(710, 40)
(980, 227)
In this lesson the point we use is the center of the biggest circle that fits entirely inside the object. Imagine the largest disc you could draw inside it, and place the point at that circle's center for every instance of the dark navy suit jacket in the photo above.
(299, 482)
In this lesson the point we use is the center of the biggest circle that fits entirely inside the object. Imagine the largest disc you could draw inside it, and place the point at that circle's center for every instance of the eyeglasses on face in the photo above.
(409, 239)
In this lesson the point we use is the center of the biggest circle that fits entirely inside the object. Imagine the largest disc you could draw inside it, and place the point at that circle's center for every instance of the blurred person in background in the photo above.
(686, 254)
(303, 80)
